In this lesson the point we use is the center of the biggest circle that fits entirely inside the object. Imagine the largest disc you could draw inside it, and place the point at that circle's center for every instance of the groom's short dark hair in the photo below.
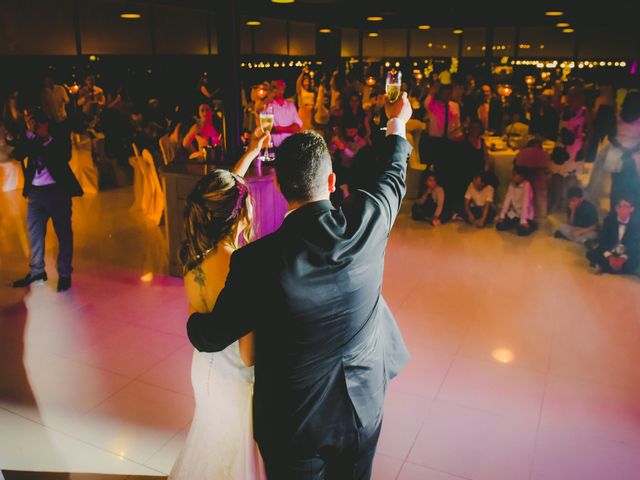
(303, 166)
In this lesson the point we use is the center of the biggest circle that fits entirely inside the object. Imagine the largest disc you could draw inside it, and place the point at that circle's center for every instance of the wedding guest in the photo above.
(604, 119)
(437, 147)
(430, 205)
(582, 219)
(203, 133)
(545, 120)
(568, 155)
(479, 209)
(286, 120)
(306, 98)
(625, 175)
(91, 97)
(618, 247)
(517, 211)
(355, 114)
(537, 162)
(491, 112)
(344, 147)
(467, 161)
(54, 100)
(49, 185)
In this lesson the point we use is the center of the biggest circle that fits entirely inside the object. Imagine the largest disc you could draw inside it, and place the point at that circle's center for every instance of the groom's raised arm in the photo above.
(232, 316)
(390, 187)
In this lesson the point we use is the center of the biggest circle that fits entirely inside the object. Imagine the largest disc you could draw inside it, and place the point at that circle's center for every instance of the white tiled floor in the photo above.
(524, 365)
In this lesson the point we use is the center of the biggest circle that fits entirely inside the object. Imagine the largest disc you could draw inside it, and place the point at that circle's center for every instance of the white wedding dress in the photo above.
(220, 444)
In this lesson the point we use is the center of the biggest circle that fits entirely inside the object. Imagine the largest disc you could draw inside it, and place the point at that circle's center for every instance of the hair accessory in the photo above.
(242, 195)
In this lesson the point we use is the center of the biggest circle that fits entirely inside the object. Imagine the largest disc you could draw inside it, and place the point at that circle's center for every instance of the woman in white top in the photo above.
(306, 98)
(220, 444)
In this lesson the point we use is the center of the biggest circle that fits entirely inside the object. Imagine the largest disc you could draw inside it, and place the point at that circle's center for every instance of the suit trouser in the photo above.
(49, 203)
(596, 257)
(350, 460)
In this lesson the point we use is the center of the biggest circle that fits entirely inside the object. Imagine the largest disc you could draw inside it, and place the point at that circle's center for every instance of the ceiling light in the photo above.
(554, 13)
(457, 31)
(375, 19)
(563, 25)
(374, 34)
(568, 30)
(283, 1)
(253, 22)
(325, 30)
(130, 12)
(424, 27)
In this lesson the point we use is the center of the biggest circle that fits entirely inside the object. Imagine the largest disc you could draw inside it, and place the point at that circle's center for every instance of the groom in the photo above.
(326, 342)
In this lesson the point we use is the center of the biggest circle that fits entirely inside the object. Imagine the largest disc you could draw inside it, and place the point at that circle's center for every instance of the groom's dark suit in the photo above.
(326, 342)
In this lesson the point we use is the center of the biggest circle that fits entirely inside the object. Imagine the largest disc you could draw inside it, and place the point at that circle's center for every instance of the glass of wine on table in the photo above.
(266, 124)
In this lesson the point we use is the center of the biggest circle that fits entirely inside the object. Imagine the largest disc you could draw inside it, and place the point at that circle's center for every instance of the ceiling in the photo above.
(446, 13)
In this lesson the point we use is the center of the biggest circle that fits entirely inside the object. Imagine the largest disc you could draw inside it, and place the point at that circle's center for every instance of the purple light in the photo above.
(634, 67)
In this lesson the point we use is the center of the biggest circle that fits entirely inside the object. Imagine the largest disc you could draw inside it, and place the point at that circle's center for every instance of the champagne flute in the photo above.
(266, 124)
(394, 85)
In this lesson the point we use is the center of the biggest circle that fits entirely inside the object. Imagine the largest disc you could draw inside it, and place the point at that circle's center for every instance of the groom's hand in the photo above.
(400, 109)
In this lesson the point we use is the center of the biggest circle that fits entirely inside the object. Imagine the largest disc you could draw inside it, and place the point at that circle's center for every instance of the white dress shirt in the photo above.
(284, 114)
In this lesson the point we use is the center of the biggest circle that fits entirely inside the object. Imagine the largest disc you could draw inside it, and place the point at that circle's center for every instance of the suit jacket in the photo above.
(55, 156)
(326, 342)
(608, 239)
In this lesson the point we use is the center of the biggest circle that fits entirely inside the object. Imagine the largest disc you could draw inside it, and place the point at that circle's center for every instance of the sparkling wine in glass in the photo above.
(394, 84)
(266, 124)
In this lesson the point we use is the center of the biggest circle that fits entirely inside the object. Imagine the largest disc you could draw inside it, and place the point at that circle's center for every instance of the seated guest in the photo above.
(286, 120)
(203, 134)
(582, 225)
(618, 247)
(478, 202)
(430, 206)
(517, 210)
(537, 161)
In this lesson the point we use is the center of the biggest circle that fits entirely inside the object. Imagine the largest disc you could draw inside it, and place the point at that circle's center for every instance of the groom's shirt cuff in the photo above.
(396, 127)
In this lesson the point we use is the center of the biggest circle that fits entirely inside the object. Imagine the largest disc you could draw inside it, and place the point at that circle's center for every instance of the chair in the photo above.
(139, 190)
(155, 194)
(82, 163)
(167, 148)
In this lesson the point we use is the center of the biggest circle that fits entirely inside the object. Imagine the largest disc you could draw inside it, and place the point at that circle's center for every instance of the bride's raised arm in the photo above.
(258, 140)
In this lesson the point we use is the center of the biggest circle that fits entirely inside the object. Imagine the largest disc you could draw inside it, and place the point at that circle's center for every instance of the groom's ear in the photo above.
(332, 182)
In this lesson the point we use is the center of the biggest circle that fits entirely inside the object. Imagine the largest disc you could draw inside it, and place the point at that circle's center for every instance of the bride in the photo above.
(220, 444)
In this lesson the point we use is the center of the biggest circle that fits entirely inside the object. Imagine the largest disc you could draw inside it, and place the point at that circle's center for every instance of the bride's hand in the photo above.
(259, 140)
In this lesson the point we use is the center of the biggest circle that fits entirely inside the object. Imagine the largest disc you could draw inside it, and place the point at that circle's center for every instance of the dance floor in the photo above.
(524, 365)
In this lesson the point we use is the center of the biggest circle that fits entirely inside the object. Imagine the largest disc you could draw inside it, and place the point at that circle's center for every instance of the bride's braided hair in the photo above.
(217, 208)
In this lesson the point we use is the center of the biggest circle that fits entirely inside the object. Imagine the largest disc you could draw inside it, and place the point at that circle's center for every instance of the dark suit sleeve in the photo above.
(391, 186)
(232, 316)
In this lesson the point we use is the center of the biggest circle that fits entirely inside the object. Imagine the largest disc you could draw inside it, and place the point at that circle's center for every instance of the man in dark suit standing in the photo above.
(326, 342)
(618, 247)
(49, 185)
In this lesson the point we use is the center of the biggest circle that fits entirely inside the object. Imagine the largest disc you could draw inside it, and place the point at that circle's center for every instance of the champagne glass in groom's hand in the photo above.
(400, 109)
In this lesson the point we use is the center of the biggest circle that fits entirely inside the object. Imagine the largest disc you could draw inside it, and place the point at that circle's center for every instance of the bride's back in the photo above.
(204, 282)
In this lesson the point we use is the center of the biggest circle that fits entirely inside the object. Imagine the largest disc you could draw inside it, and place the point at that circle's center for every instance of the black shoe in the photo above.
(29, 279)
(64, 284)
